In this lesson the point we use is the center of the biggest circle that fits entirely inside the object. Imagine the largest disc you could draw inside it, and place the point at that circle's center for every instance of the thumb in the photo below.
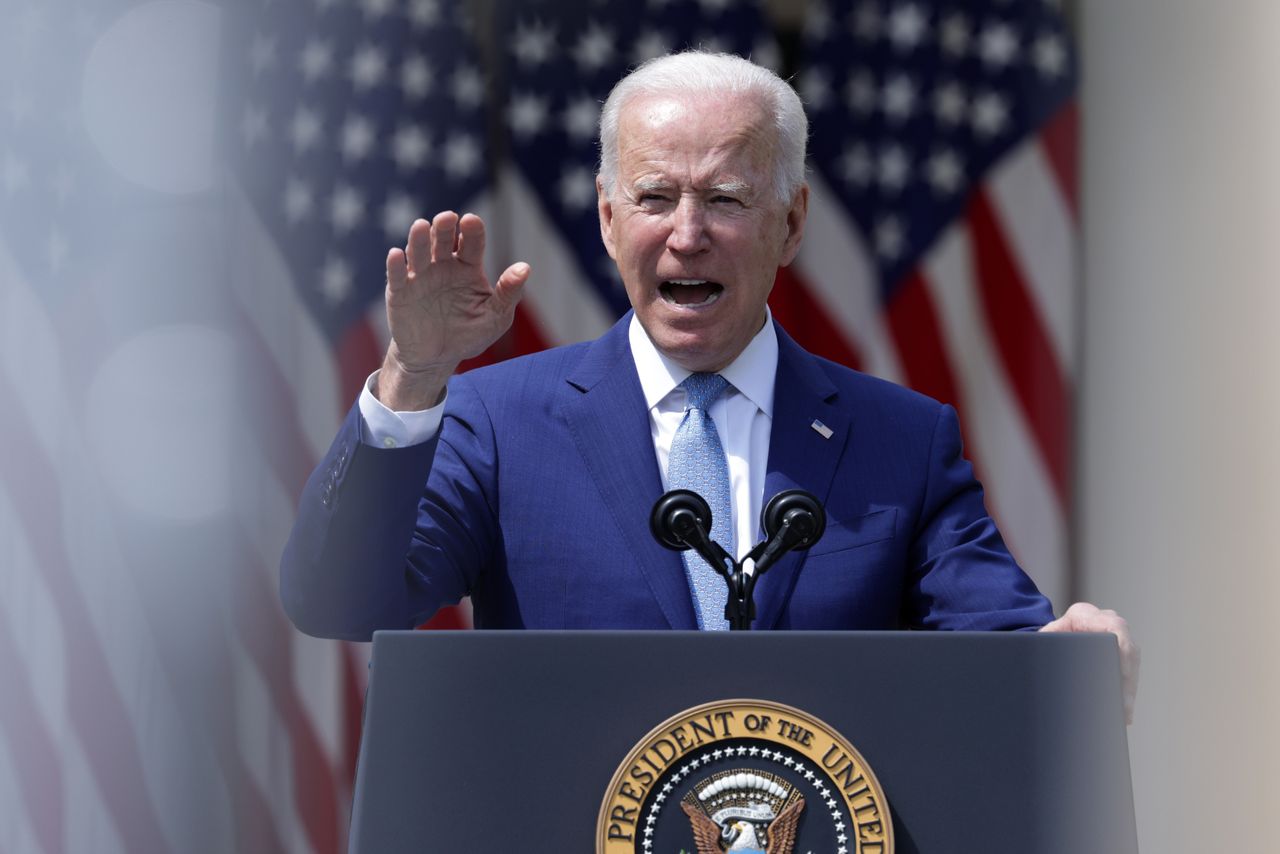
(511, 283)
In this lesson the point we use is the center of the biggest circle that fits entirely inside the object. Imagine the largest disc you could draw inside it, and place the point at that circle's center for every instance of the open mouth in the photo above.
(690, 293)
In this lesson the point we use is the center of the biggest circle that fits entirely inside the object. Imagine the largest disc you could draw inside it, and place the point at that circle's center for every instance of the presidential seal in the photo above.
(744, 776)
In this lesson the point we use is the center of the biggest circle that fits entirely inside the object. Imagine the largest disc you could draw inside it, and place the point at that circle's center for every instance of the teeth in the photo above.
(686, 281)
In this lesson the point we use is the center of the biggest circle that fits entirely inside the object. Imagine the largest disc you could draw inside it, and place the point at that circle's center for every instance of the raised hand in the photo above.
(441, 308)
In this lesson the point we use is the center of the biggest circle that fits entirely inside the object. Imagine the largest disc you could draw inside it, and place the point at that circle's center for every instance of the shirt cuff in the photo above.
(385, 428)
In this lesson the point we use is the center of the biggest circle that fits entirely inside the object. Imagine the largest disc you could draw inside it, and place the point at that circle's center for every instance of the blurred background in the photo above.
(1058, 218)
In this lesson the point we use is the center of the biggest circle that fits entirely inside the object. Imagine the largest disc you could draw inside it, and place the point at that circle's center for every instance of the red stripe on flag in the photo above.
(359, 354)
(523, 337)
(38, 770)
(1061, 141)
(794, 306)
(913, 323)
(96, 709)
(265, 633)
(1042, 391)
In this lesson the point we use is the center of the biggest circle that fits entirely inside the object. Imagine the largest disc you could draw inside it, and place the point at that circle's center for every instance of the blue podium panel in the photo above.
(508, 741)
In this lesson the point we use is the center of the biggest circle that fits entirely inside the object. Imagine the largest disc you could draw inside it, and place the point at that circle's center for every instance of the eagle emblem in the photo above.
(744, 811)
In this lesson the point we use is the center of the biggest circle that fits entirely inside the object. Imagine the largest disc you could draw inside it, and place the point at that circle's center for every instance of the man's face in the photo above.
(695, 225)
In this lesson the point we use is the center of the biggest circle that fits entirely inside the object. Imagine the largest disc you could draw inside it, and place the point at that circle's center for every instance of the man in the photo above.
(539, 473)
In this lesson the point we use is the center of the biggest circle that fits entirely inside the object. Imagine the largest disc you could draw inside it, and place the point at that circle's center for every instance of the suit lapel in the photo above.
(604, 409)
(800, 457)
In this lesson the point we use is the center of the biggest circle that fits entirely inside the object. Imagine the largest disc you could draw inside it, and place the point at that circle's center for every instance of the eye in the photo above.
(725, 200)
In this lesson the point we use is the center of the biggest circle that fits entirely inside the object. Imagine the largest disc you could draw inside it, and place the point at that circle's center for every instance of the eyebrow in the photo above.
(729, 187)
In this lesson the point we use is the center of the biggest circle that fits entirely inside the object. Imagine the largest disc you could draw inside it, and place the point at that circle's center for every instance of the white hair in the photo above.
(700, 72)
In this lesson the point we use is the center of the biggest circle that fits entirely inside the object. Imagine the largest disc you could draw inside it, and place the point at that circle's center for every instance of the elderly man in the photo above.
(528, 484)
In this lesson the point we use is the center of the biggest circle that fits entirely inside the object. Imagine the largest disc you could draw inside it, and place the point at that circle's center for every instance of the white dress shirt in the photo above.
(743, 416)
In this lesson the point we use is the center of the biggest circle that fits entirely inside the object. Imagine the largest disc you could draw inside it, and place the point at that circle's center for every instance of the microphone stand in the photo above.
(793, 519)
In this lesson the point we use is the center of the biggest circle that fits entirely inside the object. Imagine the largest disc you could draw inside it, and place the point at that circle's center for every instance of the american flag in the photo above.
(192, 297)
(942, 234)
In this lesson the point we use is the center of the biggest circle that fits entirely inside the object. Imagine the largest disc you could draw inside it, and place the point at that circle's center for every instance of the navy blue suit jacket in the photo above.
(535, 497)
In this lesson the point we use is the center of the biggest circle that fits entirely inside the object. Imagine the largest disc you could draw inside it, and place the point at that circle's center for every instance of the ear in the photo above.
(605, 209)
(796, 216)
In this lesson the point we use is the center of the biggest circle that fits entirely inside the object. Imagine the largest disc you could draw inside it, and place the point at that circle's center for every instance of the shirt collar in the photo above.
(752, 373)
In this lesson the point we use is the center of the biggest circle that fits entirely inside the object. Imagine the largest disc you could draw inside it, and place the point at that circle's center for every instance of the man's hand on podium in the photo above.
(1083, 617)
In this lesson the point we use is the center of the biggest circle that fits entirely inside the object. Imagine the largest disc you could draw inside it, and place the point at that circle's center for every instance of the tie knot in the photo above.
(703, 389)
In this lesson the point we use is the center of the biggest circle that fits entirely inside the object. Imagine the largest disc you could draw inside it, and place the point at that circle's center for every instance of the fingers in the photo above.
(1084, 617)
(397, 269)
(471, 239)
(444, 235)
(511, 283)
(418, 246)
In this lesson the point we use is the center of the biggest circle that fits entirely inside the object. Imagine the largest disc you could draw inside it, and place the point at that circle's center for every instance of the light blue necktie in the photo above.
(697, 462)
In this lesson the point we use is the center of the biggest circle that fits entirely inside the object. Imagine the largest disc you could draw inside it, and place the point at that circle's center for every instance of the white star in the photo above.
(368, 67)
(742, 751)
(860, 93)
(376, 9)
(461, 156)
(253, 125)
(650, 44)
(788, 762)
(398, 214)
(316, 60)
(777, 755)
(842, 839)
(57, 250)
(753, 751)
(581, 117)
(410, 147)
(907, 27)
(815, 87)
(358, 137)
(817, 23)
(899, 97)
(467, 87)
(262, 54)
(336, 280)
(888, 239)
(998, 46)
(949, 103)
(717, 753)
(305, 129)
(416, 77)
(594, 49)
(299, 202)
(831, 804)
(1049, 56)
(894, 169)
(534, 43)
(346, 208)
(990, 114)
(835, 814)
(945, 172)
(955, 35)
(865, 22)
(424, 13)
(765, 52)
(527, 114)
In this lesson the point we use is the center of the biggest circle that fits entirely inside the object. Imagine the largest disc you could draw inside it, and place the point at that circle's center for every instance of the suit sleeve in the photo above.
(962, 574)
(386, 537)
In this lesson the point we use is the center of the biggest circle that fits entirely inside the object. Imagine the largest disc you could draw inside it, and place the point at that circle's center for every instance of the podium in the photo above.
(511, 741)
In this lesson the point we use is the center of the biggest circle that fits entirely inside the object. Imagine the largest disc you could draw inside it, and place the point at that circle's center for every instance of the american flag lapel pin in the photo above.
(821, 429)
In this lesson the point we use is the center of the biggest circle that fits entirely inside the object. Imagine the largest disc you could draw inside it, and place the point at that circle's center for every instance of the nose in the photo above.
(688, 235)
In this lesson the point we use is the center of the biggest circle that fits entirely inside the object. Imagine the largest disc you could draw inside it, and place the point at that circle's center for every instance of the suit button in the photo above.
(389, 442)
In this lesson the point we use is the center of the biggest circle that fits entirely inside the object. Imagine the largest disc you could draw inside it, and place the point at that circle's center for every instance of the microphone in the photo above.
(792, 520)
(681, 520)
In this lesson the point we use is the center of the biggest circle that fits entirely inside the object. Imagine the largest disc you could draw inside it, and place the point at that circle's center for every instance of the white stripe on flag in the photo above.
(839, 271)
(565, 307)
(266, 748)
(1019, 492)
(1041, 232)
